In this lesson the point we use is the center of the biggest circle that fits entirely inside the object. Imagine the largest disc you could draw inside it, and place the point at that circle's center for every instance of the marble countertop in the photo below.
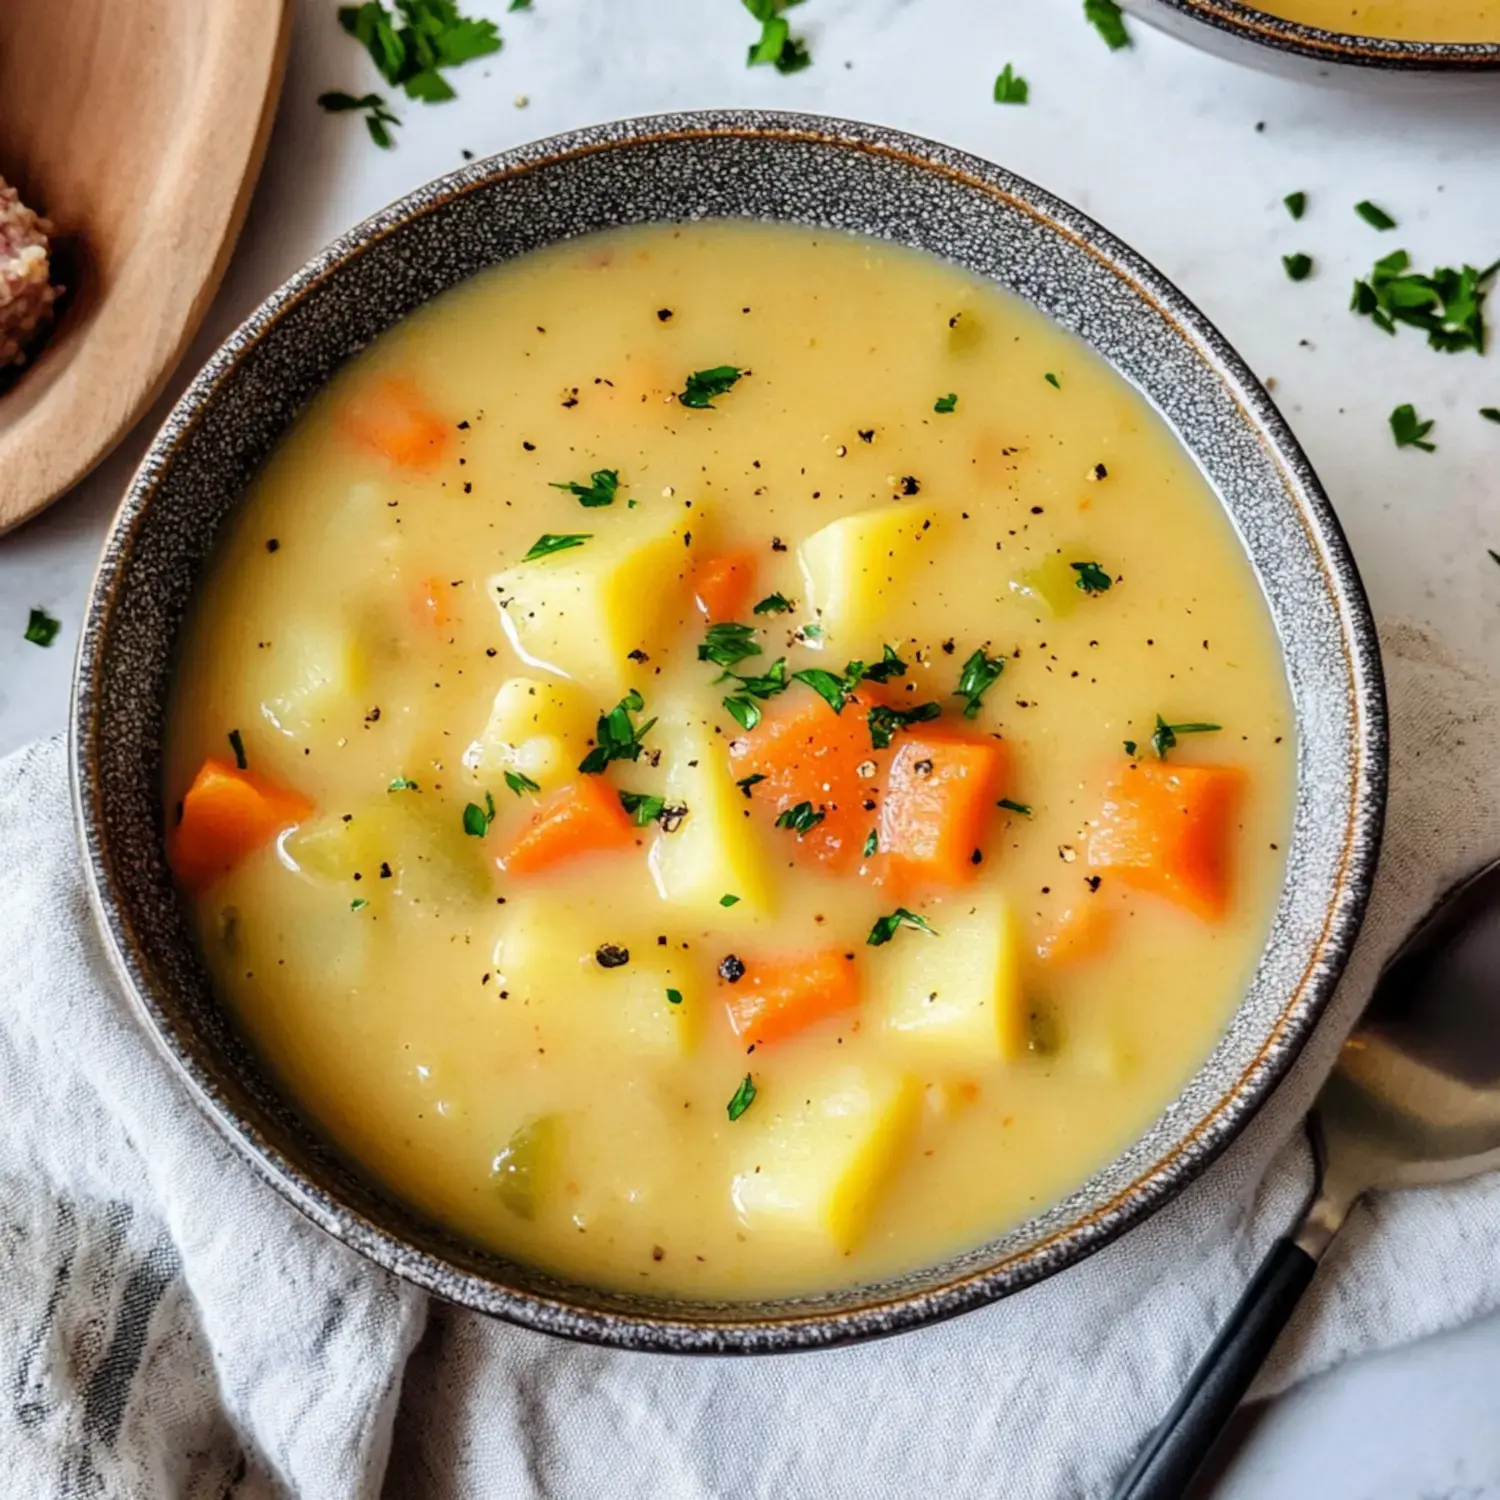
(1185, 158)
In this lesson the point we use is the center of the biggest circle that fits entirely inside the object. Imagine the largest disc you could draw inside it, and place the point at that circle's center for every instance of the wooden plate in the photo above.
(138, 128)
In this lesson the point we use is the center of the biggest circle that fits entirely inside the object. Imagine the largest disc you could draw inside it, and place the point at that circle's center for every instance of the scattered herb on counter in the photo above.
(403, 784)
(872, 843)
(519, 782)
(777, 46)
(1296, 204)
(41, 628)
(643, 809)
(434, 36)
(801, 819)
(729, 900)
(1052, 380)
(1373, 215)
(1448, 305)
(519, 5)
(946, 404)
(890, 665)
(1489, 413)
(1494, 556)
(549, 542)
(1092, 579)
(378, 119)
(726, 643)
(702, 385)
(975, 678)
(1164, 736)
(772, 604)
(886, 928)
(1010, 88)
(1409, 431)
(238, 746)
(617, 738)
(1298, 266)
(883, 722)
(744, 1097)
(1106, 18)
(600, 490)
(1018, 807)
(477, 819)
(358, 904)
(746, 782)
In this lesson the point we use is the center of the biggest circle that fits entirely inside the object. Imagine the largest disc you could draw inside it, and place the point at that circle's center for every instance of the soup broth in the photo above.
(670, 765)
(1400, 20)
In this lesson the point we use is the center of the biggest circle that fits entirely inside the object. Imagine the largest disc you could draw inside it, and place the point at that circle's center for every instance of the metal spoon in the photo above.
(1413, 1100)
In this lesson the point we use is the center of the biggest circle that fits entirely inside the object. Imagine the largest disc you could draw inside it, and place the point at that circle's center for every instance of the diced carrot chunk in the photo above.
(1081, 932)
(394, 420)
(938, 802)
(584, 817)
(777, 998)
(722, 585)
(227, 814)
(1168, 829)
(430, 603)
(814, 755)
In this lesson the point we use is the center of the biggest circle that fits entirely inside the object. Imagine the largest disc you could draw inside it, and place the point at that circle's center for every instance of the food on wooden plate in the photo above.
(26, 289)
(1401, 20)
(679, 806)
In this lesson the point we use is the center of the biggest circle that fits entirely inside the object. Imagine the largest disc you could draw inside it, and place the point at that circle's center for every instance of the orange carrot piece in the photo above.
(814, 755)
(938, 801)
(394, 420)
(777, 998)
(430, 604)
(1168, 829)
(582, 818)
(227, 814)
(1080, 932)
(722, 585)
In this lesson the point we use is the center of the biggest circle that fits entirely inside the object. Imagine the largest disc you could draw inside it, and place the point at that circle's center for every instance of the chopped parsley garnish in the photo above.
(238, 746)
(746, 782)
(519, 782)
(358, 904)
(703, 385)
(643, 810)
(1489, 413)
(729, 900)
(884, 722)
(1130, 748)
(1010, 88)
(744, 711)
(890, 665)
(1092, 579)
(1298, 266)
(1018, 807)
(886, 928)
(946, 404)
(617, 738)
(549, 542)
(1052, 380)
(1164, 736)
(829, 686)
(477, 819)
(403, 784)
(1373, 215)
(1105, 17)
(977, 676)
(744, 1097)
(378, 119)
(741, 705)
(674, 997)
(1448, 305)
(600, 490)
(726, 644)
(872, 843)
(1409, 431)
(772, 604)
(41, 628)
(1296, 204)
(802, 818)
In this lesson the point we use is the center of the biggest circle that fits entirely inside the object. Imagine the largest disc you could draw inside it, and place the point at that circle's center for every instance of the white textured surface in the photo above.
(1161, 145)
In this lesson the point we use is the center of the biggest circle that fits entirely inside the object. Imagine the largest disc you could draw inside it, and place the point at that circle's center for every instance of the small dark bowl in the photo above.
(1244, 34)
(803, 170)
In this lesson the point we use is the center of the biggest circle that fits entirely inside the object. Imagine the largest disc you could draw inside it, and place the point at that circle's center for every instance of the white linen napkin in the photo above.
(170, 1328)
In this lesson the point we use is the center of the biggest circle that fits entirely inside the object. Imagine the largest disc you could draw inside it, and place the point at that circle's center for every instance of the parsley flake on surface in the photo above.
(1010, 88)
(946, 404)
(600, 490)
(802, 818)
(358, 904)
(1052, 380)
(403, 784)
(643, 810)
(1409, 431)
(1298, 266)
(1489, 413)
(744, 1097)
(519, 782)
(777, 46)
(702, 385)
(1164, 736)
(772, 604)
(1106, 18)
(1018, 807)
(883, 723)
(378, 119)
(872, 843)
(477, 819)
(549, 542)
(726, 643)
(616, 737)
(975, 678)
(746, 782)
(729, 900)
(1296, 204)
(1092, 579)
(1448, 305)
(238, 746)
(674, 997)
(41, 628)
(887, 927)
(890, 665)
(1373, 215)
(744, 711)
(829, 686)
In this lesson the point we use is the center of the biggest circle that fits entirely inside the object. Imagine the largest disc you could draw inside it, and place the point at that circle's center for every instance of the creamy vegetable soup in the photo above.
(1404, 20)
(729, 760)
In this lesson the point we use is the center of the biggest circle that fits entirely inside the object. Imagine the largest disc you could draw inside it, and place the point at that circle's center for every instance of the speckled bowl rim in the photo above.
(571, 1316)
(1260, 29)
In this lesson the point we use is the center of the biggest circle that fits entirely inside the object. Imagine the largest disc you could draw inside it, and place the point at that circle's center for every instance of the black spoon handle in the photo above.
(1181, 1442)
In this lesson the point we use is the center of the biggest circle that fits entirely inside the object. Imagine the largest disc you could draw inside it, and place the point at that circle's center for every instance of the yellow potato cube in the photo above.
(861, 571)
(582, 611)
(538, 727)
(819, 1151)
(309, 676)
(957, 995)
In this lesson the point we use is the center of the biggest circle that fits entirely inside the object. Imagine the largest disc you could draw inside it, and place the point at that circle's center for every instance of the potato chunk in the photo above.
(957, 995)
(819, 1151)
(536, 726)
(858, 572)
(310, 676)
(582, 611)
